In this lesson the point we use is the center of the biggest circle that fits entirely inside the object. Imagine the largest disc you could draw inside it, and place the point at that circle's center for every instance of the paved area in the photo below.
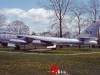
(39, 50)
(73, 54)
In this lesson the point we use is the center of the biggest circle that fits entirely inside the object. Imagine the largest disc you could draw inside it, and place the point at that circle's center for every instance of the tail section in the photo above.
(91, 31)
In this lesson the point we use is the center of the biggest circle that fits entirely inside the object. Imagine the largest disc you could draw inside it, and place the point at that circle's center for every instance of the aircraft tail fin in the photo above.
(91, 31)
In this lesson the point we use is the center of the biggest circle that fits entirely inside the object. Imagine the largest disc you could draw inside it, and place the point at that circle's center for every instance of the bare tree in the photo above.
(33, 33)
(67, 34)
(93, 9)
(78, 11)
(2, 20)
(18, 27)
(47, 33)
(60, 8)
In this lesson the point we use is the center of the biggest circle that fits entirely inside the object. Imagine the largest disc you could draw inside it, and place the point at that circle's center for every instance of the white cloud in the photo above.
(38, 19)
(34, 16)
(39, 15)
(12, 11)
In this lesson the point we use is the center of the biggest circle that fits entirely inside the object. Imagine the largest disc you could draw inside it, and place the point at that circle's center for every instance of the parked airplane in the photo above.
(88, 37)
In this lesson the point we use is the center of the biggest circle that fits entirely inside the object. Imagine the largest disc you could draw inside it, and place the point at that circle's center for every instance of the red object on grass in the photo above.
(54, 69)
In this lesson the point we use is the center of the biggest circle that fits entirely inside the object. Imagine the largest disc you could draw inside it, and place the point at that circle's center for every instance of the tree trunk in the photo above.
(60, 23)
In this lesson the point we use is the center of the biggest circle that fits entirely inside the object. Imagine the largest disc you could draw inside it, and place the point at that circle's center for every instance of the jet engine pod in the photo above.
(90, 42)
(11, 45)
(38, 42)
(17, 41)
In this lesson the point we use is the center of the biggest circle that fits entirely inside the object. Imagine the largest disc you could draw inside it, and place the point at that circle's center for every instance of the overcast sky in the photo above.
(29, 11)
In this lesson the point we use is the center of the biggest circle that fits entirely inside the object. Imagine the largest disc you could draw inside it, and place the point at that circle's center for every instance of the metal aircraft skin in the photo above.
(88, 37)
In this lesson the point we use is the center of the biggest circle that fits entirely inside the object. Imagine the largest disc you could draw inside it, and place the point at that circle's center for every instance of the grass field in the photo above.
(39, 63)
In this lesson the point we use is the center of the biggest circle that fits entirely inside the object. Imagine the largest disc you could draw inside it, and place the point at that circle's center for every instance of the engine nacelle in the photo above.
(17, 41)
(11, 45)
(38, 42)
(90, 42)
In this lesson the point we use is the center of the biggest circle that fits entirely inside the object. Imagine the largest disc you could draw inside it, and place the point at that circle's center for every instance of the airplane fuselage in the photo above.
(13, 40)
(59, 41)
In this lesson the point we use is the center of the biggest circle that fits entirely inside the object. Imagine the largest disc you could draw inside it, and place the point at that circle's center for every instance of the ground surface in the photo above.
(75, 61)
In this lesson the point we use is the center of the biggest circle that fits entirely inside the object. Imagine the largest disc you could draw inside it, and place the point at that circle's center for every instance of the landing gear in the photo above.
(17, 47)
(4, 44)
(53, 48)
(93, 46)
(35, 47)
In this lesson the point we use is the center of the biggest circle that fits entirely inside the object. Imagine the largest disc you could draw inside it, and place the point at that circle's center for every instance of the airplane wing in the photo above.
(50, 42)
(42, 38)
